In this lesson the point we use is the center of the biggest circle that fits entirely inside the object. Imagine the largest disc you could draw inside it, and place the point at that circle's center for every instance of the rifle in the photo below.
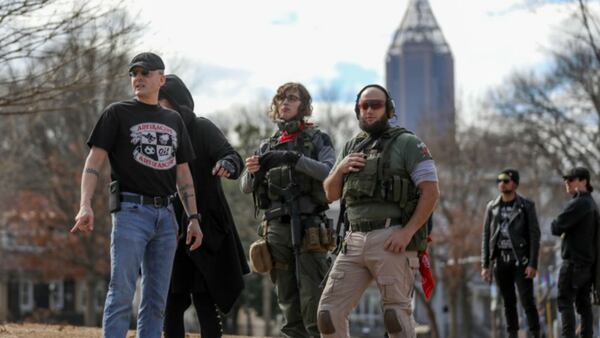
(290, 196)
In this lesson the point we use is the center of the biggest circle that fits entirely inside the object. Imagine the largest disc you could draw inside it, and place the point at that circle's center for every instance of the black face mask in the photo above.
(376, 128)
(290, 127)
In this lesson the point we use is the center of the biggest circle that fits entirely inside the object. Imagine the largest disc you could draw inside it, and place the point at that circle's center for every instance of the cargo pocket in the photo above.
(390, 287)
(334, 283)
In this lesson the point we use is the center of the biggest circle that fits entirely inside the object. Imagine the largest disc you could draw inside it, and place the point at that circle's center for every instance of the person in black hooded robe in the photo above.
(211, 276)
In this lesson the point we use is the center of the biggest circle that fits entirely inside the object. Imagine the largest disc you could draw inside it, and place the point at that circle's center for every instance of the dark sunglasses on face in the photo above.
(570, 179)
(505, 181)
(289, 98)
(374, 104)
(134, 73)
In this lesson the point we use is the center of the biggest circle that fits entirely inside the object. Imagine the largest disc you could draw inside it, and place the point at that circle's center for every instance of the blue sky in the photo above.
(235, 53)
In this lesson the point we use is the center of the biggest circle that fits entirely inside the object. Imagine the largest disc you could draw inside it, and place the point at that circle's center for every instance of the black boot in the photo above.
(535, 334)
(513, 334)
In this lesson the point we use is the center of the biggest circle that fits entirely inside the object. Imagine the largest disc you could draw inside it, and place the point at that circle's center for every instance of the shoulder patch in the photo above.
(424, 149)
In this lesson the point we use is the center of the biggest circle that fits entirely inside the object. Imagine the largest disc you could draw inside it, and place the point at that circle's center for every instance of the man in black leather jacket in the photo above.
(577, 226)
(511, 240)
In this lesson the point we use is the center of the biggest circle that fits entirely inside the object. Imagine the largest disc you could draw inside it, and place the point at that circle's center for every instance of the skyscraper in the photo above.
(420, 74)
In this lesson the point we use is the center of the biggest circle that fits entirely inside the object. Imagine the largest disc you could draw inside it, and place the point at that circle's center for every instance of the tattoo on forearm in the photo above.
(185, 187)
(185, 196)
(91, 171)
(186, 191)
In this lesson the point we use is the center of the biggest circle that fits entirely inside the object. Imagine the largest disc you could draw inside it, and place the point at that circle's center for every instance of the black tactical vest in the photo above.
(312, 196)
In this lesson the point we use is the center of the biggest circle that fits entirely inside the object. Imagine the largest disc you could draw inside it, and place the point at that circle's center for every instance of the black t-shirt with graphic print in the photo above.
(144, 144)
(504, 212)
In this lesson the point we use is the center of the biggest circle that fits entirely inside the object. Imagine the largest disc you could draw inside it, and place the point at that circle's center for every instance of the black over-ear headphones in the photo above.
(390, 107)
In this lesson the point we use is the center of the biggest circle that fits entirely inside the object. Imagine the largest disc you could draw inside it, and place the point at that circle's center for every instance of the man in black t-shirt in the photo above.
(511, 241)
(148, 149)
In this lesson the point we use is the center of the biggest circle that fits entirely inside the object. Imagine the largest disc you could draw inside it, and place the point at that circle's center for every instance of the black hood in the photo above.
(175, 91)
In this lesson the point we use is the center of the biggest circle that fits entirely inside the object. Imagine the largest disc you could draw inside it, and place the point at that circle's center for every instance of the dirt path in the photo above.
(59, 331)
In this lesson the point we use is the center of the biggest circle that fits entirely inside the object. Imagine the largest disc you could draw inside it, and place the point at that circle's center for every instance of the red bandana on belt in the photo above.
(427, 280)
(285, 137)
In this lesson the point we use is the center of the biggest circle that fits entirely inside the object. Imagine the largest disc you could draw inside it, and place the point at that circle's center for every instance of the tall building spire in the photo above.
(419, 25)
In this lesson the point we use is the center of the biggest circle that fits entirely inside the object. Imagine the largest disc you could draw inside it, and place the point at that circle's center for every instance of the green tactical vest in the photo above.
(381, 190)
(279, 177)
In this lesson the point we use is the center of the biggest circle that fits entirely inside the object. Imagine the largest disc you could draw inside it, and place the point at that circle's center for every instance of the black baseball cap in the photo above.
(511, 174)
(580, 173)
(148, 61)
(577, 172)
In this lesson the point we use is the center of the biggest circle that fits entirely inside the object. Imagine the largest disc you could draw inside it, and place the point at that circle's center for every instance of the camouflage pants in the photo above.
(298, 304)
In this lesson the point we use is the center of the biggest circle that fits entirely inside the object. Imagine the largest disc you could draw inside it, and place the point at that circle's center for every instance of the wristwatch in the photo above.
(197, 216)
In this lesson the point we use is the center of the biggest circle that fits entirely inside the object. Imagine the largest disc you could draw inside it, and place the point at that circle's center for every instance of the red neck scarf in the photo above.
(286, 137)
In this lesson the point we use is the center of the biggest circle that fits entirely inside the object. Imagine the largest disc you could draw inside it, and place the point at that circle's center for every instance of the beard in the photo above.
(507, 190)
(375, 128)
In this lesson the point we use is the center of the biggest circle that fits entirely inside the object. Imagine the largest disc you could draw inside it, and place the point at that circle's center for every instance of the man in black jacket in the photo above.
(212, 275)
(511, 240)
(577, 226)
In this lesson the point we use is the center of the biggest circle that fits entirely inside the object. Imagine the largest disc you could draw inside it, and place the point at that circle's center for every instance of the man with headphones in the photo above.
(286, 176)
(388, 181)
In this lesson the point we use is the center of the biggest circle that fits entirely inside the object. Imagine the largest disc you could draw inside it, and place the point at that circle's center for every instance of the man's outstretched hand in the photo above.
(84, 221)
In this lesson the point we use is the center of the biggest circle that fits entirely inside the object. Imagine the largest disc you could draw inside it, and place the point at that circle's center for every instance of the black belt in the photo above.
(366, 226)
(156, 201)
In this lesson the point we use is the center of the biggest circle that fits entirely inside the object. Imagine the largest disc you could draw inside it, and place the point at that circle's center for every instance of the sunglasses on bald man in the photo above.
(374, 104)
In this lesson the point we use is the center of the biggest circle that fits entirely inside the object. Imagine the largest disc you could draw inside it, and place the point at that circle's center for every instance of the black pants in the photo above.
(507, 275)
(209, 318)
(574, 285)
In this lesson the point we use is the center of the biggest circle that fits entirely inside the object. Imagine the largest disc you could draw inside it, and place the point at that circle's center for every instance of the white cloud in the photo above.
(268, 42)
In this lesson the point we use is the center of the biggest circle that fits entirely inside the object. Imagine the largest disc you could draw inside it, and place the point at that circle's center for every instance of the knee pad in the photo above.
(398, 323)
(391, 322)
(325, 322)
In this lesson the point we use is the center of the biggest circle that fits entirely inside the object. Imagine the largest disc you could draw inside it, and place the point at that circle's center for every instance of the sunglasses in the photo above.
(289, 98)
(134, 73)
(570, 179)
(505, 181)
(374, 104)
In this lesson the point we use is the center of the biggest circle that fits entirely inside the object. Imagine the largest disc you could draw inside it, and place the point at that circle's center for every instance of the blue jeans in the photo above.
(145, 236)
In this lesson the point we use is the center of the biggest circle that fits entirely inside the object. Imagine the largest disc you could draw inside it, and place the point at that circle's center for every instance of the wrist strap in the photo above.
(197, 216)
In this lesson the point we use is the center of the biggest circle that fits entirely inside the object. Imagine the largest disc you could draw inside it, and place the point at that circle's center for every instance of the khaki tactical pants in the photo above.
(365, 260)
(298, 305)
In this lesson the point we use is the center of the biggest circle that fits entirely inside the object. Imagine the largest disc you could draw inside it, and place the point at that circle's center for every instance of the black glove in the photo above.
(227, 165)
(276, 158)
